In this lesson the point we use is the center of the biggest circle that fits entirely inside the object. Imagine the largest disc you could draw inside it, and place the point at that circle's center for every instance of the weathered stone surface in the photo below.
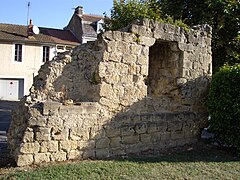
(24, 160)
(42, 134)
(41, 157)
(28, 135)
(75, 154)
(60, 134)
(28, 148)
(49, 146)
(130, 139)
(115, 142)
(59, 156)
(102, 143)
(133, 91)
(102, 153)
(69, 145)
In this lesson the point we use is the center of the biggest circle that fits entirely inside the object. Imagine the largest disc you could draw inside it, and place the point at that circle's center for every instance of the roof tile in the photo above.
(12, 32)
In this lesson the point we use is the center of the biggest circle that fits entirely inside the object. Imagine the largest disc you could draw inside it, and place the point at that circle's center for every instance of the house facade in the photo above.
(84, 26)
(23, 49)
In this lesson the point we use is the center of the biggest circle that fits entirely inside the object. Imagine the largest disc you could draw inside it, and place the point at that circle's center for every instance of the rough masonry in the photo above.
(131, 92)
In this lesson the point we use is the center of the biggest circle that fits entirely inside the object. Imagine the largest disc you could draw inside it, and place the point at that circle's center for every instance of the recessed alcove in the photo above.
(165, 60)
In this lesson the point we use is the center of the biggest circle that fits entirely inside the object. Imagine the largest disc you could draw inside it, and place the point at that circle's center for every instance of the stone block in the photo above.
(108, 35)
(28, 136)
(42, 134)
(115, 142)
(141, 128)
(68, 145)
(170, 143)
(116, 57)
(123, 47)
(88, 154)
(182, 46)
(135, 149)
(109, 103)
(174, 126)
(126, 79)
(127, 130)
(147, 41)
(118, 151)
(59, 156)
(177, 135)
(82, 108)
(142, 60)
(102, 153)
(152, 127)
(41, 157)
(24, 160)
(165, 136)
(102, 143)
(50, 107)
(106, 90)
(28, 148)
(144, 31)
(145, 138)
(111, 46)
(155, 136)
(134, 29)
(55, 121)
(162, 126)
(37, 121)
(129, 58)
(128, 37)
(49, 146)
(144, 70)
(75, 154)
(60, 134)
(134, 139)
(117, 35)
(86, 145)
(112, 132)
(122, 69)
(135, 49)
(145, 51)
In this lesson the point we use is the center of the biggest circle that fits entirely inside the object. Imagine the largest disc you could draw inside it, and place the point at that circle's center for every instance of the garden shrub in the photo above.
(224, 105)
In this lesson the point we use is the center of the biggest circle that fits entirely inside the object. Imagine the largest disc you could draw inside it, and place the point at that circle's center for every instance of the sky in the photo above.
(49, 13)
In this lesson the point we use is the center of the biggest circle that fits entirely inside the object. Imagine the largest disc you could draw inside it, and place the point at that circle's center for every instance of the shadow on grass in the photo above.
(200, 152)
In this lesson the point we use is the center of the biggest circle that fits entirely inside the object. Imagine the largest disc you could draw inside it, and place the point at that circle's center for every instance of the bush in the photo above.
(124, 13)
(224, 105)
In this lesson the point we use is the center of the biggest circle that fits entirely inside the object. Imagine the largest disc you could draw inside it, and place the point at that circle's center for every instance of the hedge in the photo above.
(224, 105)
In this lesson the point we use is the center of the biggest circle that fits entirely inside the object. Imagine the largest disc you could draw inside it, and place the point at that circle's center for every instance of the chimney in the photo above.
(79, 10)
(30, 29)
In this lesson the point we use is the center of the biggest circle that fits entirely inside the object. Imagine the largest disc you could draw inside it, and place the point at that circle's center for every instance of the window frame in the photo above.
(45, 54)
(18, 53)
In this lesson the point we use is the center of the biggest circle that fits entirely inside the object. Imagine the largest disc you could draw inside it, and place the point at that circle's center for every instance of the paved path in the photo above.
(6, 108)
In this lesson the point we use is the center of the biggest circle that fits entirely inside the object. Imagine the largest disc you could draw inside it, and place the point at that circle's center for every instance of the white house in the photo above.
(85, 26)
(23, 49)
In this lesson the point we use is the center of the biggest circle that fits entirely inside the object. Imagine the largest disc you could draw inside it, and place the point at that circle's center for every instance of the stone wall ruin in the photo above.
(135, 91)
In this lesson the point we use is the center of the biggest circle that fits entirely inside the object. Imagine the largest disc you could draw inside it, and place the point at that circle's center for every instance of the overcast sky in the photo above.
(48, 13)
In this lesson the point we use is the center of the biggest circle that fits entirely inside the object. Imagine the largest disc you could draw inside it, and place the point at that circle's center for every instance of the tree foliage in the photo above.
(223, 105)
(222, 15)
(123, 13)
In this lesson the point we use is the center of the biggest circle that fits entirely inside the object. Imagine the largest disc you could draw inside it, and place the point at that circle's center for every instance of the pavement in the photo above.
(6, 108)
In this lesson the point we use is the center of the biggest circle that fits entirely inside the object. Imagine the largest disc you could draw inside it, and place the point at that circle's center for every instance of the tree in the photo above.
(125, 12)
(222, 15)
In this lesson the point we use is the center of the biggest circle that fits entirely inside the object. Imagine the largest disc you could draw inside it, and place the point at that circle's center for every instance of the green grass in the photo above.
(207, 163)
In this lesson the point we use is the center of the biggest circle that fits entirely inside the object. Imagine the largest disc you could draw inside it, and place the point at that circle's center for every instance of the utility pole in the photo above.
(28, 12)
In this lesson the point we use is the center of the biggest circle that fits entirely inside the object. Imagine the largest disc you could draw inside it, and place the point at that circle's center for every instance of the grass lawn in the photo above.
(198, 162)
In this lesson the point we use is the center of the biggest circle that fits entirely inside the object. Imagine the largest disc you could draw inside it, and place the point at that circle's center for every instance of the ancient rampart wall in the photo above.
(135, 91)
